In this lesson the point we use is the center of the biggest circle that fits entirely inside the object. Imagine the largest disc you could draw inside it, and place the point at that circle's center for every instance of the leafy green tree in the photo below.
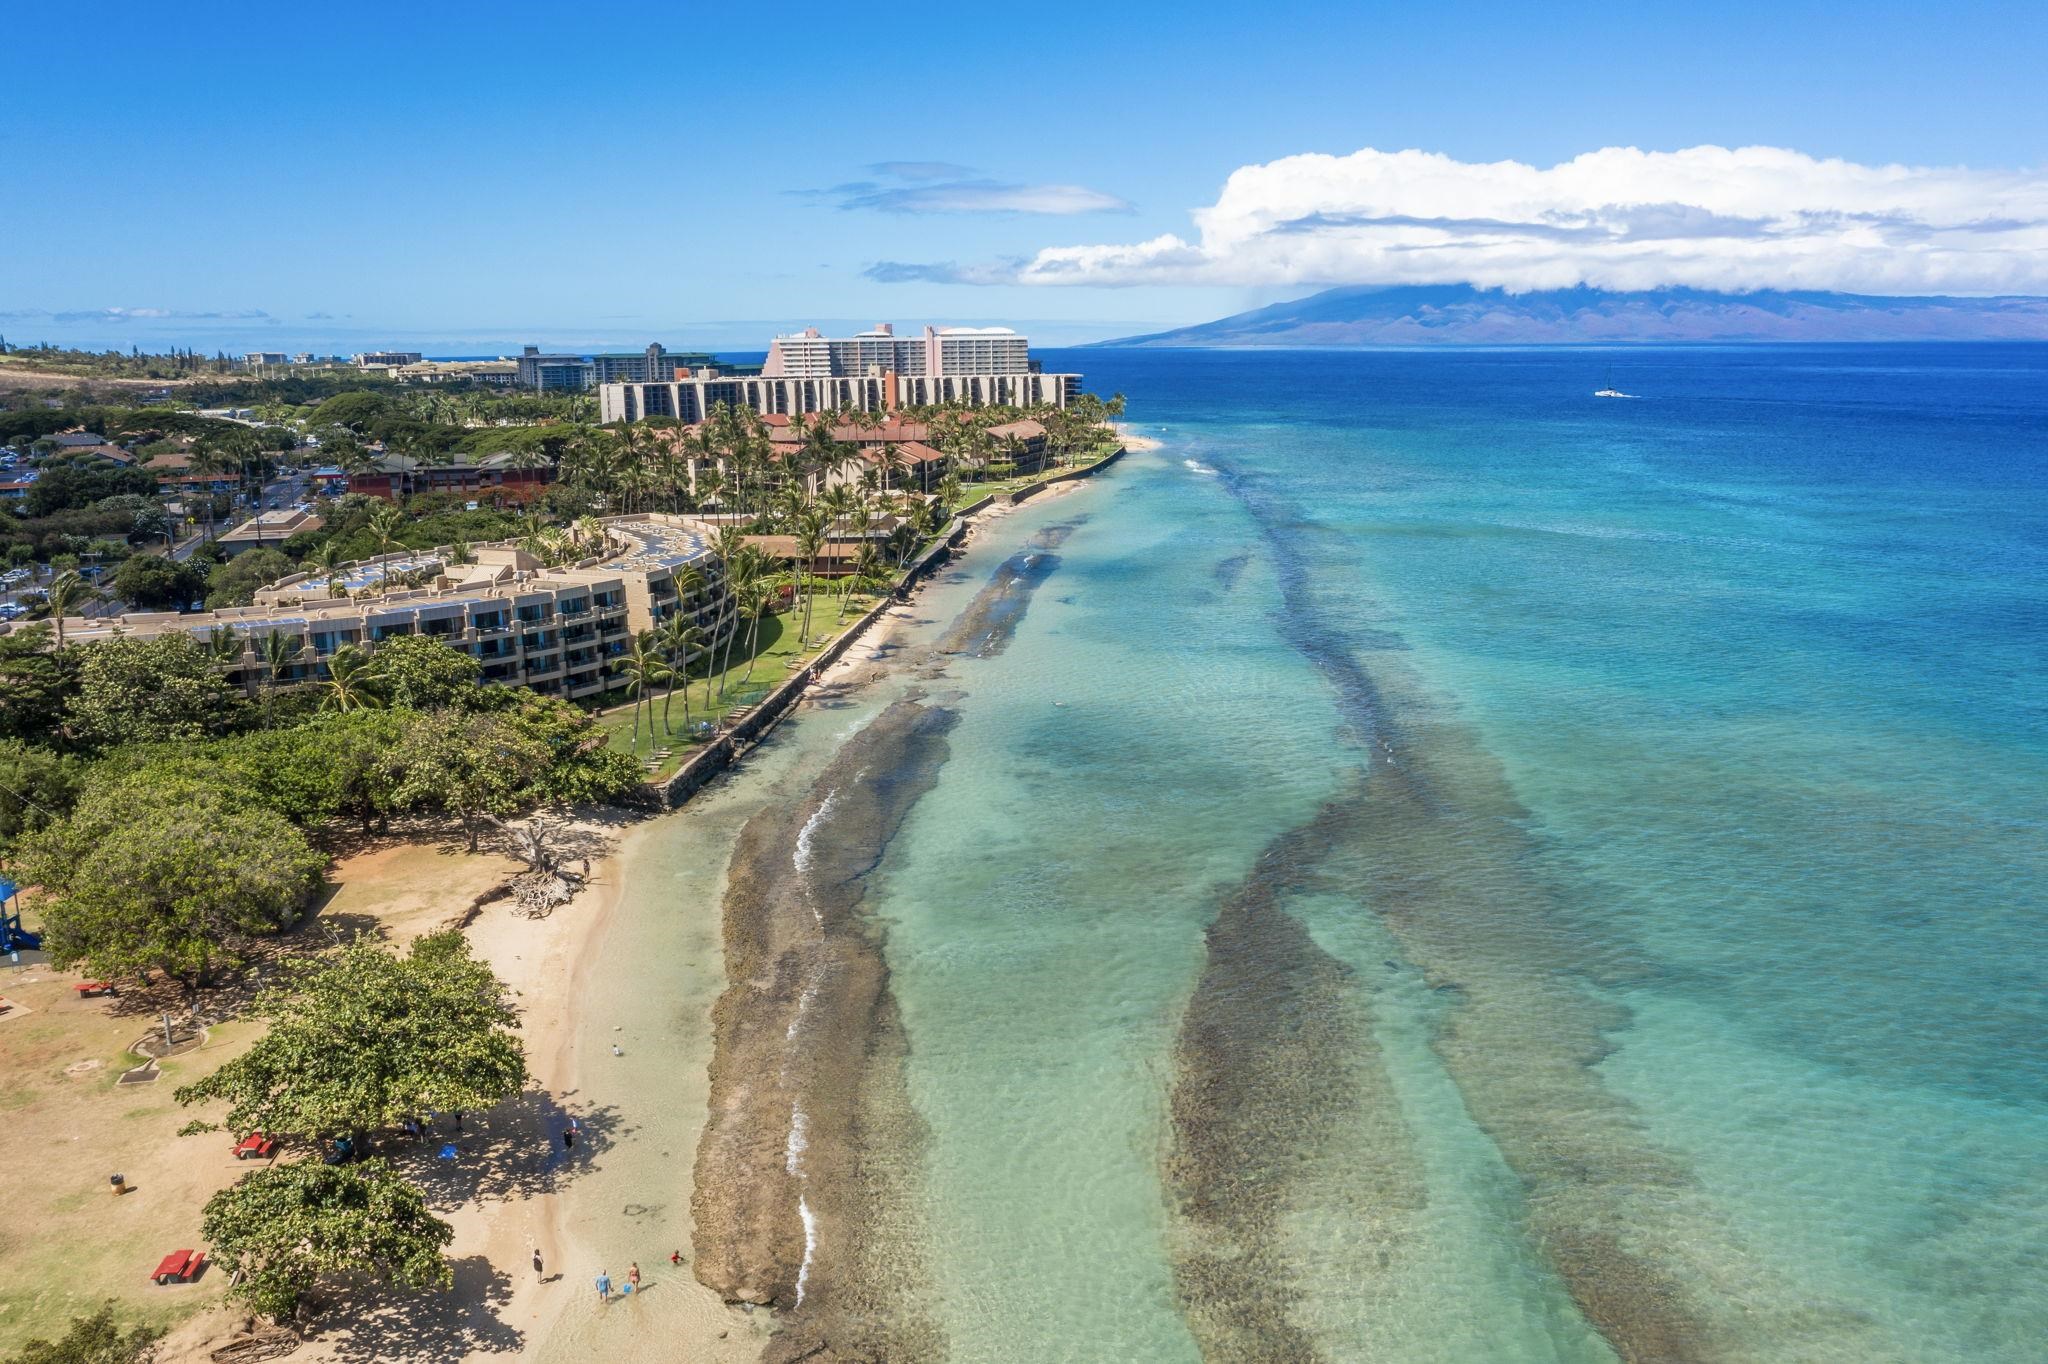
(152, 872)
(356, 411)
(94, 1339)
(156, 689)
(419, 672)
(234, 582)
(279, 1231)
(475, 768)
(150, 582)
(34, 683)
(581, 767)
(365, 1037)
(332, 765)
(37, 788)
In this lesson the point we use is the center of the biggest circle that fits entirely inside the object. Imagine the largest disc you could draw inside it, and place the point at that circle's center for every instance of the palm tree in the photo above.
(677, 637)
(810, 540)
(224, 642)
(894, 462)
(742, 565)
(352, 680)
(383, 525)
(66, 595)
(327, 561)
(760, 600)
(643, 671)
(902, 539)
(280, 651)
(208, 463)
(858, 523)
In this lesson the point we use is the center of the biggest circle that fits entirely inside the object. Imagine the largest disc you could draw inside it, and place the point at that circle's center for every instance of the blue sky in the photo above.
(283, 175)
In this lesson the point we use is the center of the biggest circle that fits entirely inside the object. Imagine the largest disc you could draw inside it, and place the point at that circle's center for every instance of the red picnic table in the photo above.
(255, 1144)
(180, 1265)
(86, 988)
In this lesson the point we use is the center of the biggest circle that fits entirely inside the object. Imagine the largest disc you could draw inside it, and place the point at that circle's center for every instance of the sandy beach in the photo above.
(617, 991)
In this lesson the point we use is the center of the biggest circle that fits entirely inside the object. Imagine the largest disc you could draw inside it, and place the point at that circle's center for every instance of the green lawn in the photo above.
(775, 660)
(971, 493)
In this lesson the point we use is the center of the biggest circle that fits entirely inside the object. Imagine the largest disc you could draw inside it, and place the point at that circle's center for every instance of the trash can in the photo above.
(119, 1184)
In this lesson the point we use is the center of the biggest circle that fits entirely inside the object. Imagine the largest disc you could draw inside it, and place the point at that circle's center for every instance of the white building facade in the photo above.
(875, 371)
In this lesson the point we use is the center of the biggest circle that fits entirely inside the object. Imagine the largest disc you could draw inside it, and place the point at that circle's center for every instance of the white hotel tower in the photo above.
(876, 370)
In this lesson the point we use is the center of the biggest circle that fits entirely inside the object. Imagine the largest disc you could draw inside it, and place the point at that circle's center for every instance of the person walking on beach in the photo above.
(604, 1286)
(536, 1262)
(633, 1277)
(675, 1257)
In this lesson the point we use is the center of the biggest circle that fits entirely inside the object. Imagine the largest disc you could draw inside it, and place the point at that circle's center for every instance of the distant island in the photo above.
(1459, 314)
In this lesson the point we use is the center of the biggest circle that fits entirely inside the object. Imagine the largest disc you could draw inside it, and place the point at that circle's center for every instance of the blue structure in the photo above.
(13, 937)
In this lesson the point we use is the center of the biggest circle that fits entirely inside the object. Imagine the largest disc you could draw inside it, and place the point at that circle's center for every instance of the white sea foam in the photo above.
(802, 856)
(803, 1273)
(1198, 466)
(799, 1140)
(803, 1009)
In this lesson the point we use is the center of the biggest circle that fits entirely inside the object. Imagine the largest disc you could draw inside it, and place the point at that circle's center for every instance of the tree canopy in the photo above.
(37, 788)
(418, 672)
(157, 872)
(277, 1231)
(34, 683)
(365, 1037)
(152, 690)
(151, 582)
(234, 581)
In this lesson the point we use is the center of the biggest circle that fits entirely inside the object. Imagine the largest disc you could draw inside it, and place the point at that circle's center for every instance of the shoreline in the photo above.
(558, 968)
(701, 1322)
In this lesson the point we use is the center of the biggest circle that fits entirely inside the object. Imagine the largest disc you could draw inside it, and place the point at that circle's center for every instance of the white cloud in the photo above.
(1619, 218)
(942, 187)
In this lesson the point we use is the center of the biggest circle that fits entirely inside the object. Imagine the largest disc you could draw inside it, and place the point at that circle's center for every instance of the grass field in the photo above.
(777, 655)
(68, 1242)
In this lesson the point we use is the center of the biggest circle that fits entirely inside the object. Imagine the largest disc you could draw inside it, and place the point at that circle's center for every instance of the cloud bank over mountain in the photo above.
(1620, 218)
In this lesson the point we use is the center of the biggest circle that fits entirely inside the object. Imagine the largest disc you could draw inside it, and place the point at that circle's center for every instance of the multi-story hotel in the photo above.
(874, 371)
(554, 630)
(554, 373)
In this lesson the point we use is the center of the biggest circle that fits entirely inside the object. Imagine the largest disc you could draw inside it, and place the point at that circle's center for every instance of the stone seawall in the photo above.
(718, 755)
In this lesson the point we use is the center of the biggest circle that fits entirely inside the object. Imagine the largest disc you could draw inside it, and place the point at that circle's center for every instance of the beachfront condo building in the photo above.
(875, 371)
(552, 630)
(810, 354)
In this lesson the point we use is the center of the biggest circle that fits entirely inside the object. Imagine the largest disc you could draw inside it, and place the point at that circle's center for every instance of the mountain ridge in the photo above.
(1459, 314)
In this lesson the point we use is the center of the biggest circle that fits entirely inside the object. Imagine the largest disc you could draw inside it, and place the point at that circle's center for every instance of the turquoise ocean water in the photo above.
(1450, 868)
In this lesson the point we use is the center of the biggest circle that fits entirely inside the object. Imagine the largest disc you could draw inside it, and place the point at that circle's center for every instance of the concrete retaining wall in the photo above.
(717, 756)
(1064, 475)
